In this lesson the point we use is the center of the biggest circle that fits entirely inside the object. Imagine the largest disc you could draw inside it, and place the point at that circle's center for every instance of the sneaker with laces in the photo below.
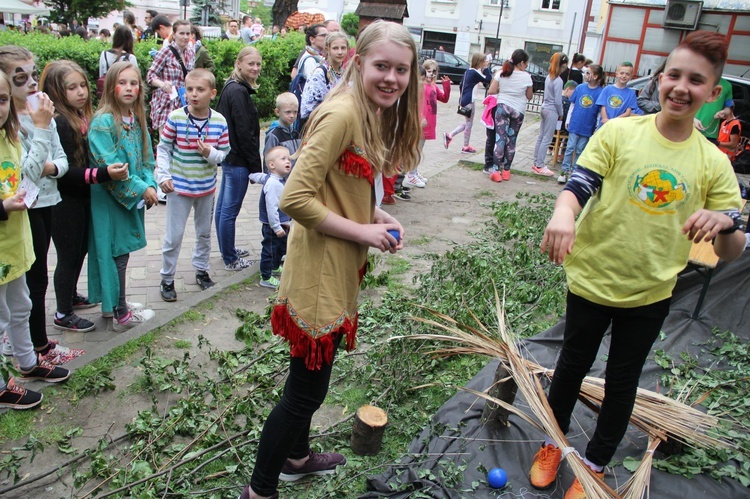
(271, 282)
(506, 175)
(496, 177)
(413, 181)
(388, 200)
(468, 150)
(563, 178)
(576, 489)
(80, 302)
(402, 196)
(72, 322)
(544, 469)
(167, 291)
(58, 354)
(421, 177)
(543, 171)
(317, 464)
(242, 252)
(131, 320)
(44, 371)
(238, 264)
(203, 280)
(132, 306)
(278, 271)
(447, 139)
(18, 397)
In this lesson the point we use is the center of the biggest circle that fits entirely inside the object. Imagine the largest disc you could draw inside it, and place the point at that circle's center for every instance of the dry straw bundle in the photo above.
(655, 414)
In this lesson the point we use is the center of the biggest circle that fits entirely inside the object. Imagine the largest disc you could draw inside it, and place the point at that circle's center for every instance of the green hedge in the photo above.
(278, 57)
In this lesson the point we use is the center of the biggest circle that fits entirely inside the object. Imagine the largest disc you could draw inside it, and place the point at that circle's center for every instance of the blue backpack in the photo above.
(298, 83)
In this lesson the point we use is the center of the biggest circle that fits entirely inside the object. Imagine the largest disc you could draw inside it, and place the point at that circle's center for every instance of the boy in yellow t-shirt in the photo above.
(651, 186)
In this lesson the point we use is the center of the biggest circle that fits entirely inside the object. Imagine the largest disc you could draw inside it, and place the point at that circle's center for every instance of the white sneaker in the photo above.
(420, 177)
(132, 320)
(563, 178)
(132, 306)
(410, 181)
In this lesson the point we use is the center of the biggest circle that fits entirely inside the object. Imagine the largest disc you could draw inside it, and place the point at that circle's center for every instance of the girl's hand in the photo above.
(376, 236)
(559, 235)
(42, 116)
(705, 225)
(445, 78)
(166, 86)
(15, 202)
(167, 186)
(150, 197)
(49, 168)
(118, 171)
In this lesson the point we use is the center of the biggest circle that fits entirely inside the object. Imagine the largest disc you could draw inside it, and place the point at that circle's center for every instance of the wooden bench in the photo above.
(558, 145)
(704, 260)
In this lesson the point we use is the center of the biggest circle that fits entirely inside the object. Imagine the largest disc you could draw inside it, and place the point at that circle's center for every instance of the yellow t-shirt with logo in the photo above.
(629, 244)
(16, 250)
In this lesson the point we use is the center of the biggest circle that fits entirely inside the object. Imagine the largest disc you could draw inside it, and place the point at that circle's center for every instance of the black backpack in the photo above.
(298, 83)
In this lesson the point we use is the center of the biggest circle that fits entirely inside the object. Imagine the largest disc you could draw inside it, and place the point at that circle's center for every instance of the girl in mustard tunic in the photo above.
(367, 126)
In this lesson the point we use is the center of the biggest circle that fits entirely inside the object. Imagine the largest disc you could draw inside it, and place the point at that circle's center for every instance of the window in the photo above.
(550, 5)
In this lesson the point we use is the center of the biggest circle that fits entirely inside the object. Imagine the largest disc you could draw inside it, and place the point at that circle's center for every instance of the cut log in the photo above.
(503, 388)
(368, 429)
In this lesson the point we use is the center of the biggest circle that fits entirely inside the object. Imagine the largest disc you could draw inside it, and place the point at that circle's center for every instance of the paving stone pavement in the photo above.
(143, 276)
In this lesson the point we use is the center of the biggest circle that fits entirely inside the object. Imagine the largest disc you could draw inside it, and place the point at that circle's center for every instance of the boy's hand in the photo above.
(118, 171)
(203, 149)
(167, 186)
(15, 202)
(280, 233)
(559, 235)
(705, 225)
(150, 197)
(698, 125)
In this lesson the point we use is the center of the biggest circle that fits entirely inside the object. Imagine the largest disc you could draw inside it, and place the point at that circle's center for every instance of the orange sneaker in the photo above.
(576, 489)
(544, 469)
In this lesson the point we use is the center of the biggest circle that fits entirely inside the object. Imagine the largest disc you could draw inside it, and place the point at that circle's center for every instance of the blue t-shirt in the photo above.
(617, 100)
(585, 111)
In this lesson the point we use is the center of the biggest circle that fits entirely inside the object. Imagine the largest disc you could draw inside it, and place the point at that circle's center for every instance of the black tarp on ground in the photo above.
(458, 437)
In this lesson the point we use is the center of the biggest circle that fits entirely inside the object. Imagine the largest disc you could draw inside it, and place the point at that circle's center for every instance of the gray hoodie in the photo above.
(40, 145)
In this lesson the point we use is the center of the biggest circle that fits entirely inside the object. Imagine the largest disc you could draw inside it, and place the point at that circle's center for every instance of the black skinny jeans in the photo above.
(287, 430)
(634, 331)
(37, 279)
(70, 232)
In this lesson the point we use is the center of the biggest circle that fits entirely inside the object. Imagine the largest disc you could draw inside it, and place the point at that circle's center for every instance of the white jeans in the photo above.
(178, 210)
(15, 309)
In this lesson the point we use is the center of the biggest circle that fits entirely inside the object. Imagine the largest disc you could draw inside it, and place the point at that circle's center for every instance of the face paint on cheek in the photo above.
(137, 91)
(118, 90)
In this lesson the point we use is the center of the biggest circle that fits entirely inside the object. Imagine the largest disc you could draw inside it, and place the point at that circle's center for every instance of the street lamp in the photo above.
(497, 34)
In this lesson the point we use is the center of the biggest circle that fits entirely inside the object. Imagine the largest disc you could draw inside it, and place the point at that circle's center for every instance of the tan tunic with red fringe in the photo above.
(317, 299)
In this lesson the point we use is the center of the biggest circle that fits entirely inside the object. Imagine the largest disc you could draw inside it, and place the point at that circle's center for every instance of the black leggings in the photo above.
(287, 429)
(634, 331)
(40, 220)
(70, 232)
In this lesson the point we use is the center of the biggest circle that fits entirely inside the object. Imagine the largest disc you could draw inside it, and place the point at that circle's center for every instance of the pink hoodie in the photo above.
(432, 94)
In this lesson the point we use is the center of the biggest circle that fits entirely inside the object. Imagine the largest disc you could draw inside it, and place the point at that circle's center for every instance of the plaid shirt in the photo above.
(167, 68)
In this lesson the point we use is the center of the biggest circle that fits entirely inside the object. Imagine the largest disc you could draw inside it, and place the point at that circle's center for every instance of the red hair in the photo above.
(712, 46)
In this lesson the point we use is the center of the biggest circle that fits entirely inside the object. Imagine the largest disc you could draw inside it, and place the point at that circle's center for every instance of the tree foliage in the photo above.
(350, 23)
(64, 11)
(282, 9)
(215, 9)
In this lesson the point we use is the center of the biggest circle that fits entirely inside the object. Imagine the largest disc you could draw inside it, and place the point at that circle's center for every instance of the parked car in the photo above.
(538, 74)
(740, 94)
(449, 64)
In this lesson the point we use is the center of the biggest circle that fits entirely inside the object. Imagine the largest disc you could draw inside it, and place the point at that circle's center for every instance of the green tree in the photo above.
(350, 23)
(64, 11)
(214, 8)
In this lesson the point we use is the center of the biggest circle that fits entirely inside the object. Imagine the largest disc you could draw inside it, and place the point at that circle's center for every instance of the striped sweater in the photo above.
(178, 159)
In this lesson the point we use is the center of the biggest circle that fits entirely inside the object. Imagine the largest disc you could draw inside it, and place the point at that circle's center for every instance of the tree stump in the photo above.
(503, 389)
(367, 433)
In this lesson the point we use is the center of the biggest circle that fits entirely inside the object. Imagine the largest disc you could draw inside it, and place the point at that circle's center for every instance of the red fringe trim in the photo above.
(353, 164)
(315, 351)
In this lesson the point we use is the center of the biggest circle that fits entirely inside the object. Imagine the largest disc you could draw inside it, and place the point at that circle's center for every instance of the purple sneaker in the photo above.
(318, 464)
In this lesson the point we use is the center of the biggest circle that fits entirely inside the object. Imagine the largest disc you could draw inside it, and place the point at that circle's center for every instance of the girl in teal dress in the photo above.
(118, 134)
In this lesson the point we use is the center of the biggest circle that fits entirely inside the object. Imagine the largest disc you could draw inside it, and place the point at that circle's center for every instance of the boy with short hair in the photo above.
(655, 177)
(193, 142)
(275, 222)
(618, 100)
(283, 133)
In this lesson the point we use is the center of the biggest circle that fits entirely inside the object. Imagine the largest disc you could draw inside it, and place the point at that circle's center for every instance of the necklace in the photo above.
(128, 122)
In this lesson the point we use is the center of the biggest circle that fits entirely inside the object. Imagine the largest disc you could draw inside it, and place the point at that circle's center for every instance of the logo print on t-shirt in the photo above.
(9, 179)
(586, 101)
(657, 191)
(614, 101)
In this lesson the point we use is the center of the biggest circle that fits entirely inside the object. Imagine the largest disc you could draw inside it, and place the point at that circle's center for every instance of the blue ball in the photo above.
(497, 478)
(395, 234)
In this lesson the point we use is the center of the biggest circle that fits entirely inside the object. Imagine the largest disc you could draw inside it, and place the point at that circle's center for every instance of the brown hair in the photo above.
(110, 105)
(556, 63)
(11, 123)
(202, 74)
(712, 46)
(53, 84)
(477, 59)
(518, 56)
(597, 74)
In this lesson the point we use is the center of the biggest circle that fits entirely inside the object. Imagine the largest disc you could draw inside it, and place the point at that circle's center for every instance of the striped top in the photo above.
(178, 158)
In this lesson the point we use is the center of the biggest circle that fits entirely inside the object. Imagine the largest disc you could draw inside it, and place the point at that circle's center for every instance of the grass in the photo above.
(183, 344)
(420, 241)
(484, 194)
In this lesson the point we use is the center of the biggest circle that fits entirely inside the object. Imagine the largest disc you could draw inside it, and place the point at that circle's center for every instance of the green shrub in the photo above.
(278, 57)
(350, 23)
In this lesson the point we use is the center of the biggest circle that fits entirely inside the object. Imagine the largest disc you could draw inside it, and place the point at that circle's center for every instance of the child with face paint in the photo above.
(43, 162)
(67, 86)
(118, 134)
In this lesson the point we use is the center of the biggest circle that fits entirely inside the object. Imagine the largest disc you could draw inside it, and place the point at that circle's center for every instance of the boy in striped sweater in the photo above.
(193, 142)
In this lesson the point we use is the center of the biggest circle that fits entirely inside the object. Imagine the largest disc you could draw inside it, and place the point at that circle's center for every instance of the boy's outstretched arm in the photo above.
(560, 233)
(705, 225)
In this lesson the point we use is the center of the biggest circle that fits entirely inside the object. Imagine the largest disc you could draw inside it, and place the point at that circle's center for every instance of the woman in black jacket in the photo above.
(236, 105)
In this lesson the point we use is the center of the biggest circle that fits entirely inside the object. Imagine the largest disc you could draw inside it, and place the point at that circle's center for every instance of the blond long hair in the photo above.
(391, 136)
(52, 82)
(110, 105)
(244, 52)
